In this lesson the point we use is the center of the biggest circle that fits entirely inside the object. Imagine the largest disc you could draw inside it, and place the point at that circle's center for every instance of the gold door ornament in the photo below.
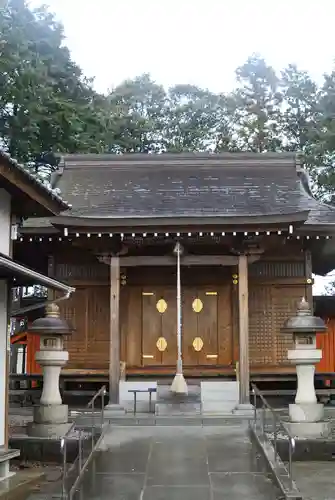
(161, 306)
(197, 305)
(198, 344)
(161, 344)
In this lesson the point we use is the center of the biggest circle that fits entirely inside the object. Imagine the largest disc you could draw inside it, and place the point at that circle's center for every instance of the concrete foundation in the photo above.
(49, 421)
(219, 397)
(306, 412)
(44, 449)
(5, 457)
(309, 429)
(308, 450)
(54, 431)
(244, 410)
(113, 410)
(55, 414)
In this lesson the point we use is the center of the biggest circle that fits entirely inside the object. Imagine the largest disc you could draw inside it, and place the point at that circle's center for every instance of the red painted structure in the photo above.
(324, 307)
(32, 344)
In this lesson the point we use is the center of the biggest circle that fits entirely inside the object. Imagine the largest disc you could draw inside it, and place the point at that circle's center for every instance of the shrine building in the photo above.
(252, 236)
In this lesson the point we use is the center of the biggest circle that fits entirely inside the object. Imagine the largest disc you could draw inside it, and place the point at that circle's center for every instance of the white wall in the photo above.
(5, 246)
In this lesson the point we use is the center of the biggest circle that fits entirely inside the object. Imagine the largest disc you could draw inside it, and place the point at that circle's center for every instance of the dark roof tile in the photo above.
(234, 185)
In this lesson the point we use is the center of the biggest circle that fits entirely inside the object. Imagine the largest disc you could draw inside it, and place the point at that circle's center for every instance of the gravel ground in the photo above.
(20, 417)
(283, 415)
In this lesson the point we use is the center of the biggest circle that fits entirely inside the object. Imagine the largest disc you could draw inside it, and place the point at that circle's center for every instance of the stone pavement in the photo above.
(315, 480)
(177, 463)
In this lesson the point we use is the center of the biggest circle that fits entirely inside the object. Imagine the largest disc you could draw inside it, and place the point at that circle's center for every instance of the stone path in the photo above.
(315, 480)
(177, 463)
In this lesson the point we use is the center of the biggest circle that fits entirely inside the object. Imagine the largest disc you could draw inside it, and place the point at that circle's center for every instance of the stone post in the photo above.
(306, 414)
(51, 415)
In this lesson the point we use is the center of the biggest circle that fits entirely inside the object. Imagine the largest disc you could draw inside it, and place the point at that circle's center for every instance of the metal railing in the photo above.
(277, 425)
(87, 436)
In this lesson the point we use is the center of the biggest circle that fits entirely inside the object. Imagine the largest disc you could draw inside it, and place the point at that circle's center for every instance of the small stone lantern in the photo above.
(51, 415)
(306, 414)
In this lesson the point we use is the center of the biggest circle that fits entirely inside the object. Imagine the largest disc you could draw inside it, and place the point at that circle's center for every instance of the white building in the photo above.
(21, 196)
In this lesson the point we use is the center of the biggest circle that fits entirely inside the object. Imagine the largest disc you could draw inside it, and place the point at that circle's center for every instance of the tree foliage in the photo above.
(45, 102)
(48, 106)
(257, 106)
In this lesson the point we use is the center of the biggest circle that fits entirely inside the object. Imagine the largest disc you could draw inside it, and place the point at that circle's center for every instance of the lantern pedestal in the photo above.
(50, 416)
(306, 430)
(306, 414)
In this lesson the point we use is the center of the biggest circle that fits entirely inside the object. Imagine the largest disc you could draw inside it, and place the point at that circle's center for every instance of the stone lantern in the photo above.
(306, 414)
(51, 415)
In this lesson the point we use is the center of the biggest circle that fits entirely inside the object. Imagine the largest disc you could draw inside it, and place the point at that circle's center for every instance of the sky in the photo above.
(195, 41)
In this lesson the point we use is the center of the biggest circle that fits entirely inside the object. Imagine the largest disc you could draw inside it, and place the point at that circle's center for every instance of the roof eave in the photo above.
(15, 175)
(277, 220)
(317, 228)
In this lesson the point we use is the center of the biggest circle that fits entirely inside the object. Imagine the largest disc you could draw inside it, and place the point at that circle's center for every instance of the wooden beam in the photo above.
(188, 260)
(114, 346)
(32, 191)
(243, 306)
(309, 276)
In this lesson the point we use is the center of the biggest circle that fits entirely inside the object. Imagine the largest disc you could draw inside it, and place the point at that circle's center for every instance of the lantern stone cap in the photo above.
(52, 311)
(51, 324)
(304, 322)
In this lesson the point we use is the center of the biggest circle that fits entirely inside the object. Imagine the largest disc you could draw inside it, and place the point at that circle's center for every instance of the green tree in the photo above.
(191, 119)
(323, 147)
(257, 112)
(136, 114)
(226, 130)
(45, 102)
(300, 109)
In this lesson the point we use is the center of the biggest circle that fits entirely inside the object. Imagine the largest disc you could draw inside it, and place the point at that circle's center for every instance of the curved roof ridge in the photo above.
(137, 160)
(182, 155)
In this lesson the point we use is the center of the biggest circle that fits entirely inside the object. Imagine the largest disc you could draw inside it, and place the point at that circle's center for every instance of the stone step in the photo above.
(218, 407)
(219, 396)
(219, 387)
(219, 383)
(170, 404)
(179, 409)
(222, 400)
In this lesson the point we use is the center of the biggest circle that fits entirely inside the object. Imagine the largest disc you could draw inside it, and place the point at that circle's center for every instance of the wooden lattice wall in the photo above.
(275, 287)
(269, 307)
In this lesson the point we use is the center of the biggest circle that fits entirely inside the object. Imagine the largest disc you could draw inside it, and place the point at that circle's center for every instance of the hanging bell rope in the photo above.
(179, 385)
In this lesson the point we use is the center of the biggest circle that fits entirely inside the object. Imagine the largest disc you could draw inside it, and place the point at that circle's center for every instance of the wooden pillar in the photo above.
(308, 276)
(114, 346)
(243, 307)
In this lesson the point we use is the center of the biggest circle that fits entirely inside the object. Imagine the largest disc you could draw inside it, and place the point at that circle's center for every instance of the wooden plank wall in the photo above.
(88, 311)
(274, 291)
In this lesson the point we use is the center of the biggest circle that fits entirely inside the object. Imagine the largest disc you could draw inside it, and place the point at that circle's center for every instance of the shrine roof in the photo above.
(30, 196)
(188, 186)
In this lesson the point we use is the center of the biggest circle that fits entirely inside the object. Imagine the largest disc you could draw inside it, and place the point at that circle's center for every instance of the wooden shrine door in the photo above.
(159, 325)
(200, 327)
(206, 326)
